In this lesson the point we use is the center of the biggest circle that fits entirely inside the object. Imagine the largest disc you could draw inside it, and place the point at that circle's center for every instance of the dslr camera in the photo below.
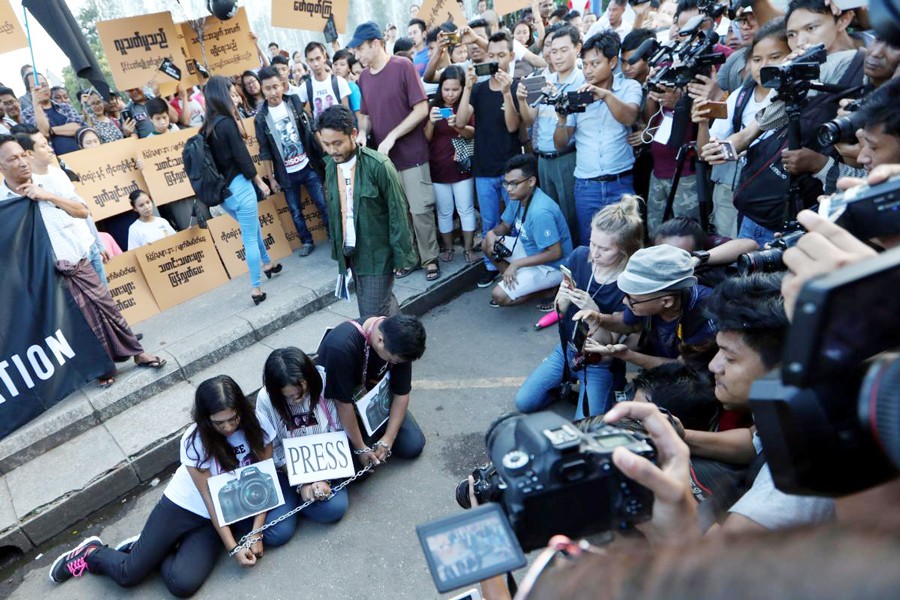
(770, 259)
(568, 103)
(251, 493)
(549, 477)
(500, 252)
(841, 130)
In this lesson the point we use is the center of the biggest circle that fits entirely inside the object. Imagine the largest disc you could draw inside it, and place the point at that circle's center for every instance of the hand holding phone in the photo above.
(728, 151)
(567, 277)
(486, 69)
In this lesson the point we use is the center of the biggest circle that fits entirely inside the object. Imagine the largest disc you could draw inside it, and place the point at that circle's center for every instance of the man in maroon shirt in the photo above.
(393, 109)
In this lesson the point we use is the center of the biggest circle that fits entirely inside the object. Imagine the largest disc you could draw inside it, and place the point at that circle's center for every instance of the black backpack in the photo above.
(206, 180)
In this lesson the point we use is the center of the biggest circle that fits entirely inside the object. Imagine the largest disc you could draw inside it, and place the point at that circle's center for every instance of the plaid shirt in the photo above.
(65, 110)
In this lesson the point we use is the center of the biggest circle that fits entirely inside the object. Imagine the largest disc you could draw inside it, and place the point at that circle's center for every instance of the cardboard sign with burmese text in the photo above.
(164, 167)
(108, 175)
(310, 14)
(504, 7)
(227, 45)
(311, 216)
(135, 47)
(436, 12)
(226, 235)
(12, 36)
(181, 266)
(253, 145)
(129, 288)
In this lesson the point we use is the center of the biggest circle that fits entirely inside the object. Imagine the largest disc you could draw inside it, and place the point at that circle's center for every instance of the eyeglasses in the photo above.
(225, 422)
(632, 303)
(512, 184)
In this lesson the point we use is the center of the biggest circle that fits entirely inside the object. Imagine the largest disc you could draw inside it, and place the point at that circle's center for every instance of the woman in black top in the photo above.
(227, 140)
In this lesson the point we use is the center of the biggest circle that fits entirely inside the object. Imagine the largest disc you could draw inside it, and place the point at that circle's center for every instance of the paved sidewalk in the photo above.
(97, 445)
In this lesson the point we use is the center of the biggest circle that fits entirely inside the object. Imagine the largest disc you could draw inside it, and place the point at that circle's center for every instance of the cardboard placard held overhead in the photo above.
(181, 266)
(227, 46)
(135, 46)
(226, 235)
(504, 7)
(129, 288)
(310, 14)
(108, 175)
(164, 167)
(436, 12)
(12, 35)
(192, 76)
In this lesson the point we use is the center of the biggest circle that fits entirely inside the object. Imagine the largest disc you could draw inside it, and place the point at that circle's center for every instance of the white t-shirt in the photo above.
(722, 128)
(323, 420)
(292, 151)
(70, 237)
(323, 93)
(182, 491)
(142, 233)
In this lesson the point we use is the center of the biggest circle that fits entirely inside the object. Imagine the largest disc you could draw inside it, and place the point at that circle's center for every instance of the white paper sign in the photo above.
(664, 131)
(245, 492)
(375, 406)
(318, 457)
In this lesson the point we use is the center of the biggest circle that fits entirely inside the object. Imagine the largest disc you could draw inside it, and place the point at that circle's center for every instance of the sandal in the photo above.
(470, 257)
(546, 306)
(447, 255)
(156, 363)
(432, 274)
(105, 381)
(401, 273)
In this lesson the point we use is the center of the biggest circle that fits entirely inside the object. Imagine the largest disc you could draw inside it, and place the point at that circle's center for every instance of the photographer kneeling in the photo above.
(529, 262)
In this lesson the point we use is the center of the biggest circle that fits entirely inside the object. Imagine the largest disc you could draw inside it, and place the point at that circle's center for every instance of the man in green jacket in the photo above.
(367, 214)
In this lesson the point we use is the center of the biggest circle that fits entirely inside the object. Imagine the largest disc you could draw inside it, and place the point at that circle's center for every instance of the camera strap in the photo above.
(366, 335)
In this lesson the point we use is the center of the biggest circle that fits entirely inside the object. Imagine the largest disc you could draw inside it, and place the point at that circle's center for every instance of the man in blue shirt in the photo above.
(541, 241)
(604, 160)
(416, 32)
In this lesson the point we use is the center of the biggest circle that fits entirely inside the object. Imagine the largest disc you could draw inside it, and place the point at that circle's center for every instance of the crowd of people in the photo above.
(616, 202)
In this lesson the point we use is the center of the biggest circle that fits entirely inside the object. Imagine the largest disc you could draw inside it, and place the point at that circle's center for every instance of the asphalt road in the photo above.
(476, 358)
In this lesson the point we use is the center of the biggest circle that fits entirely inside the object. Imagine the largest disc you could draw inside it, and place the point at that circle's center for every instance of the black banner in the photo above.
(47, 349)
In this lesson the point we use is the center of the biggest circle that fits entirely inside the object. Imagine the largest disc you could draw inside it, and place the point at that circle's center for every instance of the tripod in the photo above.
(682, 120)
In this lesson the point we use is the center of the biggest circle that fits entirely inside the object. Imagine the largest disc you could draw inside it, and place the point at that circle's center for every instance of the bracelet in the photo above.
(365, 450)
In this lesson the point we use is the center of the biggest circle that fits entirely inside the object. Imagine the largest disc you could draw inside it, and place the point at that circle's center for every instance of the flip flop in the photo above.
(447, 256)
(105, 381)
(432, 274)
(401, 273)
(469, 256)
(156, 363)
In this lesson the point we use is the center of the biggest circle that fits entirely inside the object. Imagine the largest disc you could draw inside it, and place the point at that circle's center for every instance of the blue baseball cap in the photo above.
(365, 32)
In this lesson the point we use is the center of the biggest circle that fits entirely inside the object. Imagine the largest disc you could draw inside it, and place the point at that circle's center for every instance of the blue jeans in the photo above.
(538, 391)
(329, 511)
(591, 196)
(241, 206)
(750, 230)
(97, 263)
(490, 190)
(307, 178)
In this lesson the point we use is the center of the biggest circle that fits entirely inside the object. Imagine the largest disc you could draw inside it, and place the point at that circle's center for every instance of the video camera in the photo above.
(567, 103)
(865, 211)
(793, 80)
(551, 478)
(831, 425)
(694, 56)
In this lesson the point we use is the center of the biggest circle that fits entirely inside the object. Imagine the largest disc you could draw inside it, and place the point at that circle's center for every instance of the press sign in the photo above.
(318, 457)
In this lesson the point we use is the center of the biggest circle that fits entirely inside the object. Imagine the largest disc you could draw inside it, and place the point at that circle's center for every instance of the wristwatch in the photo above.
(701, 255)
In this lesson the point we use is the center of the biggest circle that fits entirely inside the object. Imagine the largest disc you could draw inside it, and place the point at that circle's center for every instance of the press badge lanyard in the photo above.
(367, 335)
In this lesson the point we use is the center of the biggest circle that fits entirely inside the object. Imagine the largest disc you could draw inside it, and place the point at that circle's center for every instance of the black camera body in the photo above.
(568, 103)
(695, 56)
(500, 252)
(768, 260)
(793, 80)
(251, 493)
(552, 478)
(841, 130)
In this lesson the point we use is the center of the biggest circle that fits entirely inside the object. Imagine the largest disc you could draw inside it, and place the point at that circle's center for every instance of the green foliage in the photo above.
(91, 12)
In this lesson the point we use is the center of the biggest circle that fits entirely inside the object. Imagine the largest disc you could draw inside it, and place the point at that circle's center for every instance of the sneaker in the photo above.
(72, 563)
(487, 278)
(126, 544)
(307, 249)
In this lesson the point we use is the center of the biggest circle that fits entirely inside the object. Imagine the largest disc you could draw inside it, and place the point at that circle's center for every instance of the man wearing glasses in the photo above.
(541, 241)
(662, 299)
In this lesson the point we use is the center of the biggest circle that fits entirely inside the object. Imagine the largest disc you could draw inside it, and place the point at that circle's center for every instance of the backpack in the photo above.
(309, 92)
(206, 180)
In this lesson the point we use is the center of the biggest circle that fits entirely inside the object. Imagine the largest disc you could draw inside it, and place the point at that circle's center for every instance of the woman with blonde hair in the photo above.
(616, 233)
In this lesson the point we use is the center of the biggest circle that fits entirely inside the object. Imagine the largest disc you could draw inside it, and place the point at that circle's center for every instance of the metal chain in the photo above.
(253, 537)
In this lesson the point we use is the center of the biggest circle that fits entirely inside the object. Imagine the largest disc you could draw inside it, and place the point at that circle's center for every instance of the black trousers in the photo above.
(183, 545)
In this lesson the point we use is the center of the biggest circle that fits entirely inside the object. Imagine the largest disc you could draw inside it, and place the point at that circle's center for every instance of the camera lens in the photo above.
(462, 494)
(762, 261)
(254, 495)
(841, 130)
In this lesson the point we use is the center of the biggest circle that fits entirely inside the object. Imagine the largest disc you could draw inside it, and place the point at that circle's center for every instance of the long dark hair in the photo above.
(218, 98)
(215, 395)
(290, 366)
(451, 72)
(244, 86)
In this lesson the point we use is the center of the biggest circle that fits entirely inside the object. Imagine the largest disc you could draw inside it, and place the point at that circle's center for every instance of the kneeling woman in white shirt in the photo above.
(293, 402)
(180, 538)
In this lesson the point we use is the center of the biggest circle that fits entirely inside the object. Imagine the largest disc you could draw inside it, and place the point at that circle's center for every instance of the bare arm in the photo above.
(363, 125)
(510, 116)
(734, 446)
(185, 119)
(624, 112)
(645, 361)
(67, 129)
(73, 208)
(528, 114)
(562, 134)
(729, 252)
(418, 114)
(351, 426)
(765, 12)
(464, 112)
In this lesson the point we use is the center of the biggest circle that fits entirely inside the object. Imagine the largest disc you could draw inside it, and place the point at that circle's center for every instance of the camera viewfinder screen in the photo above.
(470, 547)
(614, 441)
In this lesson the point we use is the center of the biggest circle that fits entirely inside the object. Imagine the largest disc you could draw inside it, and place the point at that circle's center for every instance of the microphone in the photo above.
(647, 48)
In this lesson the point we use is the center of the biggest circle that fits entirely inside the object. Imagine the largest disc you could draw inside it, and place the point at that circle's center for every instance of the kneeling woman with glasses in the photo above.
(180, 537)
(293, 403)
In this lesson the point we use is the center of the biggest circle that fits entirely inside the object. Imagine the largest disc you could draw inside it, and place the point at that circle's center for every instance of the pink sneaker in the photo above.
(72, 563)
